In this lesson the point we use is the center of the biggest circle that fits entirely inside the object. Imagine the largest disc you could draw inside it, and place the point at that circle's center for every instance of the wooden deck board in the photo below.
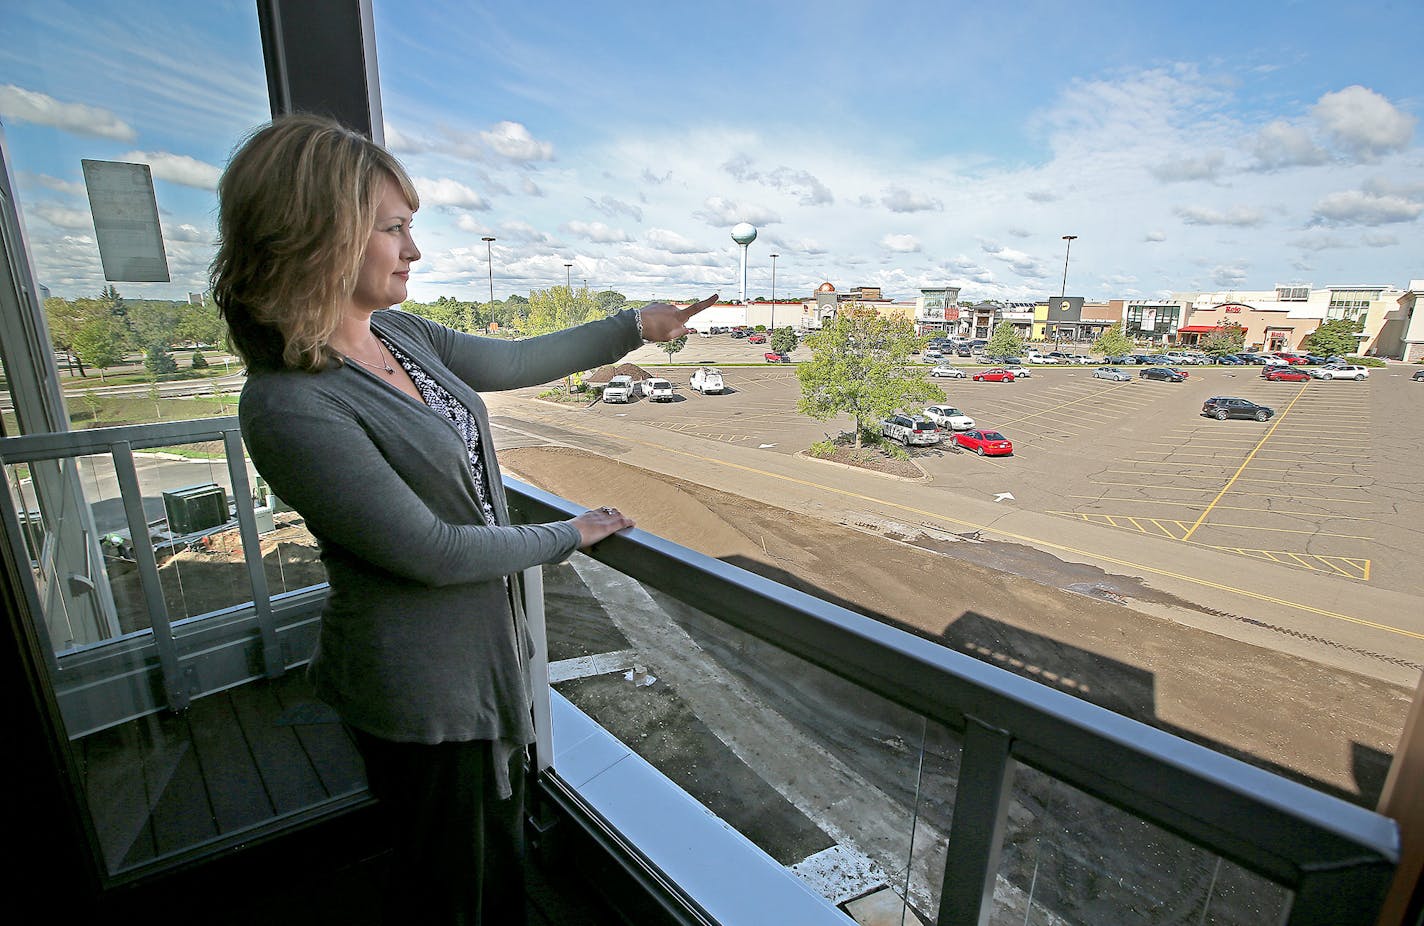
(235, 788)
(326, 741)
(182, 814)
(287, 772)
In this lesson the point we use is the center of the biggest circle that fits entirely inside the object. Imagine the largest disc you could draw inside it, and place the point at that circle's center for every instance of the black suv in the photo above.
(1222, 407)
(1162, 373)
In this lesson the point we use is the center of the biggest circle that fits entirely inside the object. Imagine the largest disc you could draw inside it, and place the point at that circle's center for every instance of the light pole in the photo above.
(489, 259)
(568, 277)
(773, 291)
(1063, 291)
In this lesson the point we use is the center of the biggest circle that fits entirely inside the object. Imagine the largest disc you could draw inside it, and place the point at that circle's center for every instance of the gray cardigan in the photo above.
(421, 640)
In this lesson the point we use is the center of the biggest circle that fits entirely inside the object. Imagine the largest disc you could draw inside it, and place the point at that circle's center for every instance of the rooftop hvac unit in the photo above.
(195, 508)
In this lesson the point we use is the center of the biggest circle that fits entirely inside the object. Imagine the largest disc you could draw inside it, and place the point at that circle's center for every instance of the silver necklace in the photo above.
(389, 370)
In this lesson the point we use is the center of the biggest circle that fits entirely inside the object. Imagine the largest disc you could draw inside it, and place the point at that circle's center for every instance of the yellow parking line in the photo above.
(1076, 401)
(1284, 514)
(1273, 482)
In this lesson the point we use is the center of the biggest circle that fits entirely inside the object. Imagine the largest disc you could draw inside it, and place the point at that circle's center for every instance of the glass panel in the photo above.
(1070, 858)
(824, 777)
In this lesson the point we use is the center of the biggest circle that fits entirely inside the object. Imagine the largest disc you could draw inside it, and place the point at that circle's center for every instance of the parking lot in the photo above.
(1320, 487)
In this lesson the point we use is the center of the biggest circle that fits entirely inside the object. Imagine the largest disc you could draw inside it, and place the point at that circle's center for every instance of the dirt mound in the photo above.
(604, 373)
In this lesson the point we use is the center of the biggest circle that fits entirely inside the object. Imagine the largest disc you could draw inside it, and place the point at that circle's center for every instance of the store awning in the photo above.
(1199, 329)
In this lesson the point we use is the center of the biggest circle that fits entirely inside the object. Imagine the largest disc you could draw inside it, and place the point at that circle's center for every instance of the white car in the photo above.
(948, 371)
(658, 389)
(910, 430)
(1112, 373)
(932, 354)
(707, 380)
(1019, 371)
(1039, 358)
(1341, 371)
(619, 389)
(949, 417)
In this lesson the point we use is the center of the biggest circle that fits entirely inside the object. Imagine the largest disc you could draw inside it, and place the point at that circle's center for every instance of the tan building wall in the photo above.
(1264, 330)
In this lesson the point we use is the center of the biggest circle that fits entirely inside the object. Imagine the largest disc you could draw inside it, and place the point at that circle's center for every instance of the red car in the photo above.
(1284, 374)
(773, 357)
(996, 375)
(984, 443)
(756, 339)
(1291, 358)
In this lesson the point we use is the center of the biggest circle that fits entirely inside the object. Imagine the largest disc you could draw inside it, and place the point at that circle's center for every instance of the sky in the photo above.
(1204, 146)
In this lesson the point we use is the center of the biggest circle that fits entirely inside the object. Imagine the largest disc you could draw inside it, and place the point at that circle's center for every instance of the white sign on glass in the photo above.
(126, 221)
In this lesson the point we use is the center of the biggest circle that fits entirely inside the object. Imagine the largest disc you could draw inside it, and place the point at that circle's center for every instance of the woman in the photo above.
(367, 422)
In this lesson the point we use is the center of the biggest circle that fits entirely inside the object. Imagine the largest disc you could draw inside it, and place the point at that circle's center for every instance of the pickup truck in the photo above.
(657, 389)
(619, 389)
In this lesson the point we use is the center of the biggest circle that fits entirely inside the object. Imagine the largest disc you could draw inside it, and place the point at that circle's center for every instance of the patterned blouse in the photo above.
(447, 405)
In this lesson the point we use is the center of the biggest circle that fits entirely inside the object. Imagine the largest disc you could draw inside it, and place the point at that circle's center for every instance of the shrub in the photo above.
(1365, 361)
(199, 362)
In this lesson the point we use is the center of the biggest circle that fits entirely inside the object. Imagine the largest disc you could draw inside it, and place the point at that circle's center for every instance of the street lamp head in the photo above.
(487, 238)
(1070, 237)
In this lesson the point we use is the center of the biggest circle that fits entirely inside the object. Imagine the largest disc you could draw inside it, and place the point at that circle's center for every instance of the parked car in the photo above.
(1060, 357)
(657, 389)
(739, 333)
(707, 380)
(773, 357)
(990, 443)
(1222, 407)
(1020, 372)
(1141, 359)
(948, 372)
(1163, 374)
(1034, 356)
(1316, 359)
(1418, 376)
(1119, 360)
(1230, 360)
(932, 354)
(948, 417)
(996, 375)
(1341, 371)
(1291, 358)
(619, 389)
(1112, 373)
(756, 339)
(1284, 374)
(910, 431)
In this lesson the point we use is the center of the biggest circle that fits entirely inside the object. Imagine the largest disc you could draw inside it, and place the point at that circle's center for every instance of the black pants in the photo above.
(458, 849)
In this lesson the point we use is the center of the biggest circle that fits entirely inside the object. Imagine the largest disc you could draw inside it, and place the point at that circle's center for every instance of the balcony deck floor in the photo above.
(238, 759)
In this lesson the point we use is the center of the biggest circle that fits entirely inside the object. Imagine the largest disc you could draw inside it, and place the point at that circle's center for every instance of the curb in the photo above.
(922, 477)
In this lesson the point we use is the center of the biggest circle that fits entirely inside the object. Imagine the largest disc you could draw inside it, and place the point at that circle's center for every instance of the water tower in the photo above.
(744, 233)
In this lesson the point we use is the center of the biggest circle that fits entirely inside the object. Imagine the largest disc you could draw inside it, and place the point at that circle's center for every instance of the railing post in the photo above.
(976, 835)
(132, 496)
(539, 668)
(272, 659)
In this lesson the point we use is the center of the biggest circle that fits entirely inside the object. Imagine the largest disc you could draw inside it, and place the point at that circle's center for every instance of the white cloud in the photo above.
(1023, 264)
(468, 223)
(666, 240)
(1378, 240)
(1155, 237)
(71, 187)
(523, 231)
(901, 244)
(401, 143)
(1230, 276)
(62, 216)
(1319, 241)
(596, 232)
(177, 168)
(1203, 167)
(899, 199)
(1042, 196)
(719, 211)
(1363, 122)
(77, 118)
(186, 232)
(444, 191)
(529, 187)
(1241, 216)
(1356, 207)
(513, 141)
(611, 207)
(1281, 144)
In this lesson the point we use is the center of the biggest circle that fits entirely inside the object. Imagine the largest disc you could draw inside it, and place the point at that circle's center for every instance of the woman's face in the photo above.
(389, 253)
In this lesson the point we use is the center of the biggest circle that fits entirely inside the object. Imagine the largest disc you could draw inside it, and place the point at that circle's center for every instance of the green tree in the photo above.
(158, 361)
(199, 362)
(156, 323)
(557, 308)
(1005, 341)
(201, 324)
(1334, 337)
(611, 302)
(1113, 341)
(673, 346)
(64, 320)
(784, 340)
(100, 341)
(860, 367)
(1227, 339)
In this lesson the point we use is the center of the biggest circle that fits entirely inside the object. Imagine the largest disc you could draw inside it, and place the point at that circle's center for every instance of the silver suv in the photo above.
(910, 431)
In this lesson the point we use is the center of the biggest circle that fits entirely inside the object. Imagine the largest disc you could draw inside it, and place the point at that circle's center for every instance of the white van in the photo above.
(707, 380)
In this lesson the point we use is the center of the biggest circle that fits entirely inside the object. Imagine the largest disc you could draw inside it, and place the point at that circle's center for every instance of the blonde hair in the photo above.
(296, 206)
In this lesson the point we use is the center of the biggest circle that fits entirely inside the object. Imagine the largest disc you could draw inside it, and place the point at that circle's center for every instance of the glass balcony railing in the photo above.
(758, 754)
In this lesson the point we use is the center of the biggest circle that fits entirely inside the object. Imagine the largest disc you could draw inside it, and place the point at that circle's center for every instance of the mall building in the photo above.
(1280, 319)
